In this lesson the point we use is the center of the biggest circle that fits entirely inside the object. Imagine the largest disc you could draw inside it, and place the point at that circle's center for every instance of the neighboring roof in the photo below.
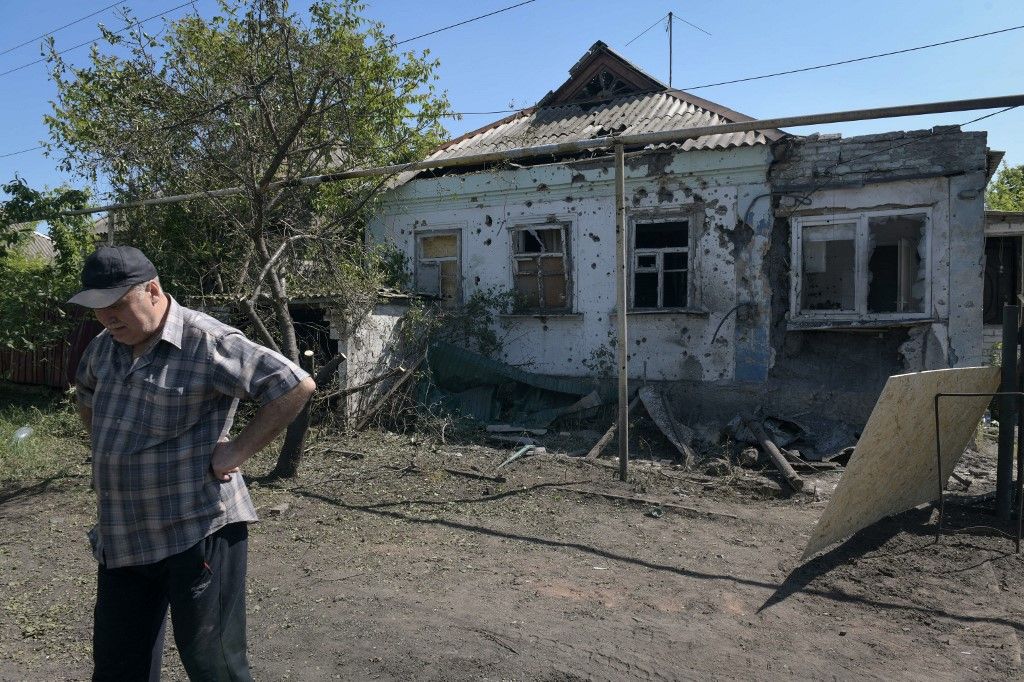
(606, 95)
(1004, 217)
(993, 158)
(39, 246)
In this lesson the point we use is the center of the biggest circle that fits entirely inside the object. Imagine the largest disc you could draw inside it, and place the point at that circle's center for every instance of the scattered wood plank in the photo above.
(351, 454)
(801, 464)
(514, 440)
(382, 401)
(509, 428)
(778, 459)
(476, 475)
(366, 384)
(637, 499)
(595, 451)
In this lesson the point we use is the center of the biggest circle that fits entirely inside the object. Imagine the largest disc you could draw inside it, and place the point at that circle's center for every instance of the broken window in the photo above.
(896, 277)
(438, 270)
(867, 264)
(540, 267)
(829, 255)
(660, 262)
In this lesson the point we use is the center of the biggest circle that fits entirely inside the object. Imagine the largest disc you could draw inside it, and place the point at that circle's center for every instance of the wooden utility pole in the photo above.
(621, 306)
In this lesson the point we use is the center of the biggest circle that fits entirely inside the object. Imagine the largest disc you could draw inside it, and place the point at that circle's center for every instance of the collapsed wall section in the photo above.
(884, 235)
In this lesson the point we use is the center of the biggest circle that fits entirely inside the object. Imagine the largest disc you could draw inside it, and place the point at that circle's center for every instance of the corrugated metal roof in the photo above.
(39, 246)
(633, 114)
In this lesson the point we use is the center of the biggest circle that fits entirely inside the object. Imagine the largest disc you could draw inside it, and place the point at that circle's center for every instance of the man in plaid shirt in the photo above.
(158, 390)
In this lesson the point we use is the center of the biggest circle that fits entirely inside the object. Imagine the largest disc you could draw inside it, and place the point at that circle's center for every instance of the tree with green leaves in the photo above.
(1006, 191)
(33, 290)
(255, 98)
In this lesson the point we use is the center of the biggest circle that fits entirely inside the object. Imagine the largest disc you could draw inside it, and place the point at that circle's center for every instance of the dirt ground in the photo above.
(382, 564)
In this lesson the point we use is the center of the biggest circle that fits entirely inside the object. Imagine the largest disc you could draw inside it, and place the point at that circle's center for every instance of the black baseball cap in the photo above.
(108, 274)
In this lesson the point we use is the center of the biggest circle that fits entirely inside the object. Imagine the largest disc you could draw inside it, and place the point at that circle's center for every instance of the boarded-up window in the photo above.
(661, 264)
(540, 267)
(438, 270)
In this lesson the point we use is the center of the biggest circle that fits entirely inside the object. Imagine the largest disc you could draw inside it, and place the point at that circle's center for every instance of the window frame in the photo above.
(567, 263)
(418, 235)
(861, 220)
(694, 218)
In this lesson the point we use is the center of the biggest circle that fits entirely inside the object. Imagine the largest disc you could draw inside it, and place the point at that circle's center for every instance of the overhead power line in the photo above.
(59, 28)
(791, 71)
(21, 151)
(855, 59)
(463, 23)
(89, 42)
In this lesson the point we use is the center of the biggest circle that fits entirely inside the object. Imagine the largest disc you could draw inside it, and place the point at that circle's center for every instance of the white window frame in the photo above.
(421, 260)
(567, 260)
(694, 219)
(861, 220)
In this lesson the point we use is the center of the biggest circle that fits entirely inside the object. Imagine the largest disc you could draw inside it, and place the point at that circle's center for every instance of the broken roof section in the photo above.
(606, 95)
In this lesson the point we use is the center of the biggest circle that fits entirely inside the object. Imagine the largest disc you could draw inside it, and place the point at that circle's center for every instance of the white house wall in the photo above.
(663, 346)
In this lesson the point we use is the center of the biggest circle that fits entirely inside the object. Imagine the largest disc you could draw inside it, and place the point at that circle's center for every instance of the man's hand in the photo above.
(268, 421)
(225, 460)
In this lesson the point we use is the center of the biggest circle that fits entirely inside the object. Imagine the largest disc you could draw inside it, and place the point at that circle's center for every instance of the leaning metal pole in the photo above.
(621, 341)
(1007, 413)
(577, 146)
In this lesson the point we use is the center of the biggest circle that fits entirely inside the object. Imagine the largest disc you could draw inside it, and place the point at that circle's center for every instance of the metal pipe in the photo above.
(1007, 413)
(621, 305)
(607, 142)
(1016, 397)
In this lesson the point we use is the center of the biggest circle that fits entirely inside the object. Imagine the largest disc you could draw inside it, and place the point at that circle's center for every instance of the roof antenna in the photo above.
(670, 49)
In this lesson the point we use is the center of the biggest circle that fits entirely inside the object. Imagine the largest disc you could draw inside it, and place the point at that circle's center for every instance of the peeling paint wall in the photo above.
(712, 340)
(738, 327)
(374, 348)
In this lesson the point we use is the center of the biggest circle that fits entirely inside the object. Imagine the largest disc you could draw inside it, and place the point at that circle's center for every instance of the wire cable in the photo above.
(679, 18)
(66, 26)
(856, 59)
(88, 42)
(646, 30)
(785, 73)
(463, 23)
(59, 28)
(21, 151)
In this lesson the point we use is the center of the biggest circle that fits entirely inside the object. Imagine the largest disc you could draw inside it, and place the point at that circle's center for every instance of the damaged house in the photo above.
(764, 268)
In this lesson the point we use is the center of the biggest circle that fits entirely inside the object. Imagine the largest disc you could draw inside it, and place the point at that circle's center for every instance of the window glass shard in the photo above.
(896, 264)
(829, 267)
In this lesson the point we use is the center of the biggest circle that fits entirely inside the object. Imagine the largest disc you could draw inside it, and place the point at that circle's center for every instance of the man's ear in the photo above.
(153, 289)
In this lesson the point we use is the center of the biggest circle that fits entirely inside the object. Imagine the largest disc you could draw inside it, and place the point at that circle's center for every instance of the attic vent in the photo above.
(605, 85)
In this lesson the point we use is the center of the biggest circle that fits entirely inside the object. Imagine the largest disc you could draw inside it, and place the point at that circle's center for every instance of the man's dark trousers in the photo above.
(205, 589)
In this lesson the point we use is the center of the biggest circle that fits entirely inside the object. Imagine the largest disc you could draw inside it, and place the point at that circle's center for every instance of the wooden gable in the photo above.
(599, 76)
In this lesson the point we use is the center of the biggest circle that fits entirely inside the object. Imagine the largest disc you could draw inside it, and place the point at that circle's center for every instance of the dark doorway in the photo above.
(1002, 280)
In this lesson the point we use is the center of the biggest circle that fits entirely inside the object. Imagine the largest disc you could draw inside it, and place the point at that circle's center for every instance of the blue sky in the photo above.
(514, 58)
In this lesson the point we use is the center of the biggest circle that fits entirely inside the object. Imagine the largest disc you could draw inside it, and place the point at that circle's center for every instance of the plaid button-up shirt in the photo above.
(155, 422)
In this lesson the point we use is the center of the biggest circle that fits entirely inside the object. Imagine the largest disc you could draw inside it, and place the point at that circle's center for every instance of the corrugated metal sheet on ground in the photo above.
(457, 369)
